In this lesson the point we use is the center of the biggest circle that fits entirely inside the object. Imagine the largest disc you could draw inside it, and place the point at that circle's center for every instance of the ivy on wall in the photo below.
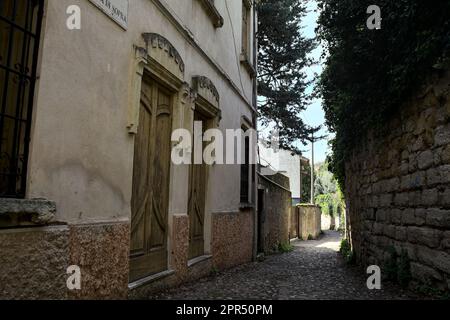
(369, 73)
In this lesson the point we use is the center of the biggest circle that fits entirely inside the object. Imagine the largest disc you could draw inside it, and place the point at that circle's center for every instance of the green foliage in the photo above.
(328, 194)
(325, 183)
(397, 267)
(214, 270)
(430, 290)
(346, 251)
(404, 269)
(306, 184)
(282, 79)
(368, 74)
(390, 265)
(310, 237)
(285, 247)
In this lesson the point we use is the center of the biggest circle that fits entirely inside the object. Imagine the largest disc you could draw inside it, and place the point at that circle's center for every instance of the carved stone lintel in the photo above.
(208, 99)
(157, 42)
(206, 88)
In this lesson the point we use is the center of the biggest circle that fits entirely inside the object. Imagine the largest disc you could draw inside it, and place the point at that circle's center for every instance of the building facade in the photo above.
(91, 92)
(294, 166)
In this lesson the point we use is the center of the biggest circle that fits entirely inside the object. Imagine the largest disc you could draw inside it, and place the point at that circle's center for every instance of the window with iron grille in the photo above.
(20, 26)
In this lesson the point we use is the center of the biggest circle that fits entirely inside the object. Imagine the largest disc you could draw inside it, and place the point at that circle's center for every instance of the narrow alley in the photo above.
(313, 270)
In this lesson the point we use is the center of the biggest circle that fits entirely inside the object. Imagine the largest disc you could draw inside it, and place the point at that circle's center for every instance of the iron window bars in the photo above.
(20, 27)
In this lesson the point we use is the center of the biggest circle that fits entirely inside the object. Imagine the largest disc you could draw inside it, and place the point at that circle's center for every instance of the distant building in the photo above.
(294, 166)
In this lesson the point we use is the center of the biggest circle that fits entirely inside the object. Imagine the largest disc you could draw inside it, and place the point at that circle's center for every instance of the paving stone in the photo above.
(313, 271)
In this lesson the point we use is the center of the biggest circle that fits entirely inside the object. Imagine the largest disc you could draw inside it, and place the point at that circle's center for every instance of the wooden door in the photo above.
(197, 202)
(151, 175)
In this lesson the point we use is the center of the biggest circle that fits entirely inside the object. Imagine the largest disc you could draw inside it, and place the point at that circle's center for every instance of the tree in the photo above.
(305, 196)
(325, 181)
(328, 194)
(282, 81)
(369, 74)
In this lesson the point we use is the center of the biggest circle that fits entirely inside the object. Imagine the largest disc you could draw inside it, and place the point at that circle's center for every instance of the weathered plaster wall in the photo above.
(84, 81)
(398, 188)
(276, 211)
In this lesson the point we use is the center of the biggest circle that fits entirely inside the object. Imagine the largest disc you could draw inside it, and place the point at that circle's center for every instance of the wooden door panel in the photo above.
(197, 202)
(152, 196)
(141, 179)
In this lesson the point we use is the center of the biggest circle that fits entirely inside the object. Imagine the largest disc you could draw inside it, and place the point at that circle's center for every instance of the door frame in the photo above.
(154, 62)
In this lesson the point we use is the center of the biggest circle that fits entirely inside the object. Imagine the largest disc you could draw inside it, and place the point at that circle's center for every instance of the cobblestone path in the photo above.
(314, 270)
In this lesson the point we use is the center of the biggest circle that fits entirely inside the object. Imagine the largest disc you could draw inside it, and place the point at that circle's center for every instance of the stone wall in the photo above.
(309, 221)
(33, 263)
(102, 253)
(293, 226)
(330, 223)
(276, 210)
(398, 188)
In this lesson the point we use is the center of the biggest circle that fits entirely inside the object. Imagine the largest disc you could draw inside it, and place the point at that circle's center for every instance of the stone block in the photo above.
(396, 216)
(424, 236)
(412, 163)
(445, 155)
(404, 168)
(420, 216)
(405, 183)
(385, 200)
(424, 273)
(444, 197)
(389, 230)
(434, 258)
(425, 159)
(418, 179)
(401, 233)
(401, 199)
(369, 214)
(34, 262)
(442, 135)
(430, 197)
(446, 240)
(392, 184)
(26, 212)
(433, 177)
(408, 217)
(378, 228)
(438, 218)
(445, 173)
(381, 215)
(414, 198)
(101, 250)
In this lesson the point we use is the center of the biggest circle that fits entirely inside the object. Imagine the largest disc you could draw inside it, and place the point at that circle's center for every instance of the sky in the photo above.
(314, 115)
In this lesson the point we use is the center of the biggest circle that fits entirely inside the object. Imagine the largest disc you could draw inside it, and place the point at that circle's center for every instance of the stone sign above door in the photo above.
(117, 10)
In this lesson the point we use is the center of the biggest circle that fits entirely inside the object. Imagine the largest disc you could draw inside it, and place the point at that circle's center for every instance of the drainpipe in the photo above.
(312, 170)
(255, 122)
